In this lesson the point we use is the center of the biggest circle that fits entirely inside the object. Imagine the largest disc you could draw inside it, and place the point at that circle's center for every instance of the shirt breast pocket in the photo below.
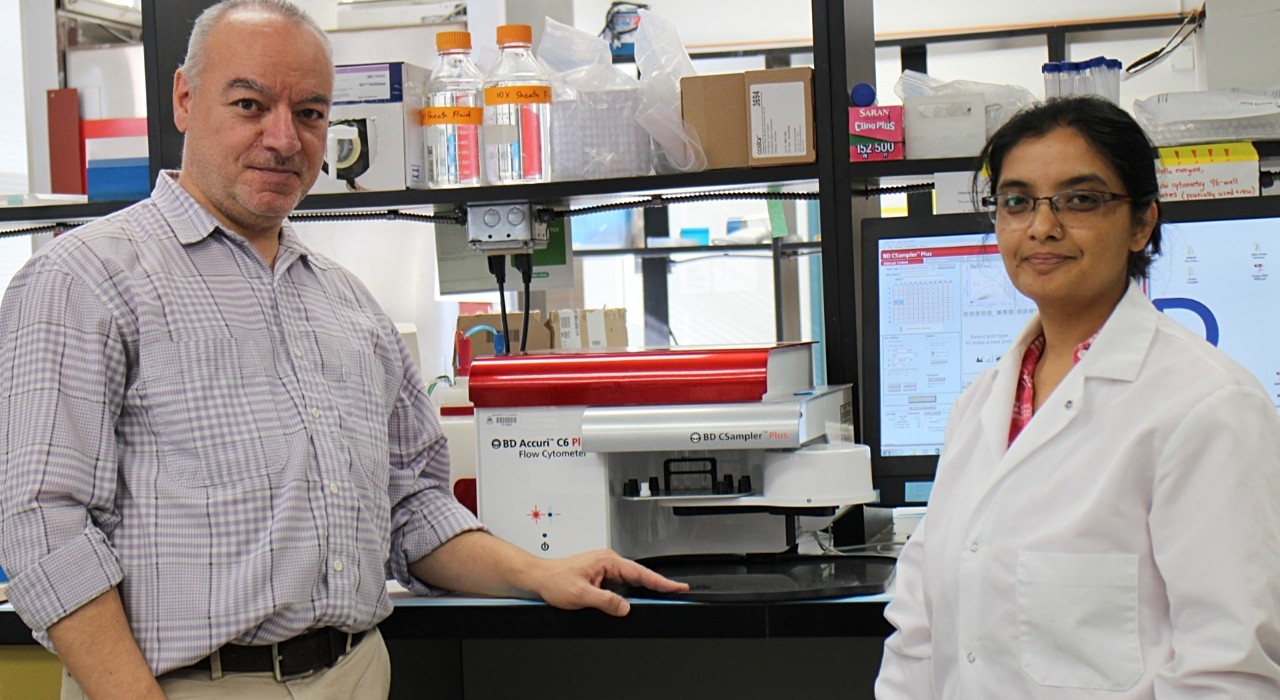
(214, 405)
(1078, 619)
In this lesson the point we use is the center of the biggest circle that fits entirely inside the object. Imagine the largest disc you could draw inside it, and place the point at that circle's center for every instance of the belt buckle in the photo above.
(275, 667)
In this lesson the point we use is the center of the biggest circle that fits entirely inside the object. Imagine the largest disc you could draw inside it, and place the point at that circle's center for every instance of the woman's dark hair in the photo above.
(1116, 137)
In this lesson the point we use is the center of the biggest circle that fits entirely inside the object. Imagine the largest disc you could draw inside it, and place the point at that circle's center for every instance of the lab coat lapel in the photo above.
(1117, 353)
(997, 411)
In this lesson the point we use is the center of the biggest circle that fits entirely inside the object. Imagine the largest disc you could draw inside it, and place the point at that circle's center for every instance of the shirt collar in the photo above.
(192, 223)
(1116, 351)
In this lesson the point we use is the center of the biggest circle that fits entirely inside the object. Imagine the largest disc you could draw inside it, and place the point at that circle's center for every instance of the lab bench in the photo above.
(480, 648)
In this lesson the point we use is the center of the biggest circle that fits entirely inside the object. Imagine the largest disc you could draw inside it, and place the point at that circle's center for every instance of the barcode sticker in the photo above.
(570, 330)
(778, 120)
(597, 337)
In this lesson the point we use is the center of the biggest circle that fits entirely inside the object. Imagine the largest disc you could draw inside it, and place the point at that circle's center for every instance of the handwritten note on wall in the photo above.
(1208, 171)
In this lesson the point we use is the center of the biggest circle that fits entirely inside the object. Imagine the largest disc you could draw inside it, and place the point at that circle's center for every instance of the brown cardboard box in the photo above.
(574, 329)
(482, 342)
(714, 106)
(779, 109)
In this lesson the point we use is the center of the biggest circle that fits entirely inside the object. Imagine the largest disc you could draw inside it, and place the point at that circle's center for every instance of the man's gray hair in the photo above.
(212, 16)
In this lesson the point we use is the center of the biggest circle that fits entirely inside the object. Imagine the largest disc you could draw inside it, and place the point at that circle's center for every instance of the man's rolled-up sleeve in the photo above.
(424, 512)
(63, 371)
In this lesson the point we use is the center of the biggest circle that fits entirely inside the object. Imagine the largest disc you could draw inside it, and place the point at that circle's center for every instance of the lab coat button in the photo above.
(1069, 404)
(970, 657)
(973, 546)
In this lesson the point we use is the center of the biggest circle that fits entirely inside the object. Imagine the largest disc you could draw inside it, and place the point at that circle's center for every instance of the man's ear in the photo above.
(181, 100)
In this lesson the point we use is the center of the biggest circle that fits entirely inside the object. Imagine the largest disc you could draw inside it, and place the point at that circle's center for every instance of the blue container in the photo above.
(700, 236)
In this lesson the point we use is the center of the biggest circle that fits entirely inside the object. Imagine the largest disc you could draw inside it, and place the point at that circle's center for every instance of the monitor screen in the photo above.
(938, 310)
(1219, 275)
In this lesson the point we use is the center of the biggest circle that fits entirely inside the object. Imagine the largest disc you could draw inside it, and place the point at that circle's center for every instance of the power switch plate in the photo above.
(499, 228)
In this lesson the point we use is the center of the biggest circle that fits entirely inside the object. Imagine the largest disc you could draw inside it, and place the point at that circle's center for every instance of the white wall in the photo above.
(13, 109)
(704, 22)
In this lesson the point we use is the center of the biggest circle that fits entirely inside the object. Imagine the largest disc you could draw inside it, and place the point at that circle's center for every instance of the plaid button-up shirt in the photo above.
(247, 452)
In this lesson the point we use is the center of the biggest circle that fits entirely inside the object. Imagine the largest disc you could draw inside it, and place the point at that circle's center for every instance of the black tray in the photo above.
(739, 579)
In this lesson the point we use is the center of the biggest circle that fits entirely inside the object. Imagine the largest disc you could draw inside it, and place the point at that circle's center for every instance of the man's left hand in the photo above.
(575, 582)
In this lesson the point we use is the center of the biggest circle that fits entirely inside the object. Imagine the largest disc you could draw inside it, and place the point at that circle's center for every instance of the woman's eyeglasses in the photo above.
(1013, 210)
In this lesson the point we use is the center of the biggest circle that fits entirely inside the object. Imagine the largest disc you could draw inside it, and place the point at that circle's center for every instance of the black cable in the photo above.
(452, 217)
(546, 216)
(524, 263)
(44, 228)
(498, 267)
(894, 189)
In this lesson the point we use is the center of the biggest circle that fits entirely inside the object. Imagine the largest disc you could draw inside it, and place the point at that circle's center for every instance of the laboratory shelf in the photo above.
(925, 167)
(60, 213)
(613, 188)
(727, 249)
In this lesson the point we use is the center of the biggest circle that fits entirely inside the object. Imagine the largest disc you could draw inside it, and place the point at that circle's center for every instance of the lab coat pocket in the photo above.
(1078, 619)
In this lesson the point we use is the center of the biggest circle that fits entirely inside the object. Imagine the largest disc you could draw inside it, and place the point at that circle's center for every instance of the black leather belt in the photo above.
(292, 658)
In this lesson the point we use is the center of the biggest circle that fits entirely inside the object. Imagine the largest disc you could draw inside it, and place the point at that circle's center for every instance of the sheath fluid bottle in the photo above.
(517, 112)
(453, 114)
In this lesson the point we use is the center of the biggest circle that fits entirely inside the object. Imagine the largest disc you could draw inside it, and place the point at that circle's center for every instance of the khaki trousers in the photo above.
(364, 674)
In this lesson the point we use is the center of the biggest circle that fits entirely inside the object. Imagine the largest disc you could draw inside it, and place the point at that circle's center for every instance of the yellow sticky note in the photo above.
(1199, 154)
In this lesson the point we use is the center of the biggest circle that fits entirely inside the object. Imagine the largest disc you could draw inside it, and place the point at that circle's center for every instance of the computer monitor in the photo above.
(1219, 275)
(938, 309)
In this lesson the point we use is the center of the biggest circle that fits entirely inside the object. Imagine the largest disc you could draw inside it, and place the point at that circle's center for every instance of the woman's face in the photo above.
(1078, 267)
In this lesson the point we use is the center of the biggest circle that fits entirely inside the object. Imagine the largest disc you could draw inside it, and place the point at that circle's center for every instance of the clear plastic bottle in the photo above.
(1052, 80)
(517, 112)
(453, 114)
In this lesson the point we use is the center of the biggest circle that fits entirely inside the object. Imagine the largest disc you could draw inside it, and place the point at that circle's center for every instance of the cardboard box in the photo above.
(780, 116)
(482, 342)
(875, 133)
(575, 329)
(383, 103)
(712, 105)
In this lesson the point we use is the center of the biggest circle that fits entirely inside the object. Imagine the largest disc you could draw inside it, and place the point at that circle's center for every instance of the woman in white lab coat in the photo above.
(1105, 521)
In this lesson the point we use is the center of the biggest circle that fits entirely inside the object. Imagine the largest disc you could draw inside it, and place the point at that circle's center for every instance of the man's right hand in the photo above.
(97, 646)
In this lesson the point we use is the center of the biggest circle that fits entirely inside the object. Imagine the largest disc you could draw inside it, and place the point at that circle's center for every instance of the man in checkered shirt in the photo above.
(213, 439)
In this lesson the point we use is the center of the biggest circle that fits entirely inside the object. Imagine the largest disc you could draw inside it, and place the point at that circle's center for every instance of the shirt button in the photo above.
(337, 565)
(315, 413)
(333, 487)
(973, 546)
(297, 352)
(970, 657)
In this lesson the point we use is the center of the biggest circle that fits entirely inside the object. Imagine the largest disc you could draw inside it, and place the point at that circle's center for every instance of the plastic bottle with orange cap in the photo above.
(517, 112)
(453, 115)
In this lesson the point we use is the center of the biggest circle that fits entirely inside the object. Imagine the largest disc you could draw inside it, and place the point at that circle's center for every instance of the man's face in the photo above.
(255, 124)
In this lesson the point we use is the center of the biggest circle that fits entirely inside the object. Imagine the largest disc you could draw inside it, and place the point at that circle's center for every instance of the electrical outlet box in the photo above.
(501, 228)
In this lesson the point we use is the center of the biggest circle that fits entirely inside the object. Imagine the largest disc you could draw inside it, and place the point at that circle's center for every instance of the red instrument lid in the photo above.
(639, 377)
